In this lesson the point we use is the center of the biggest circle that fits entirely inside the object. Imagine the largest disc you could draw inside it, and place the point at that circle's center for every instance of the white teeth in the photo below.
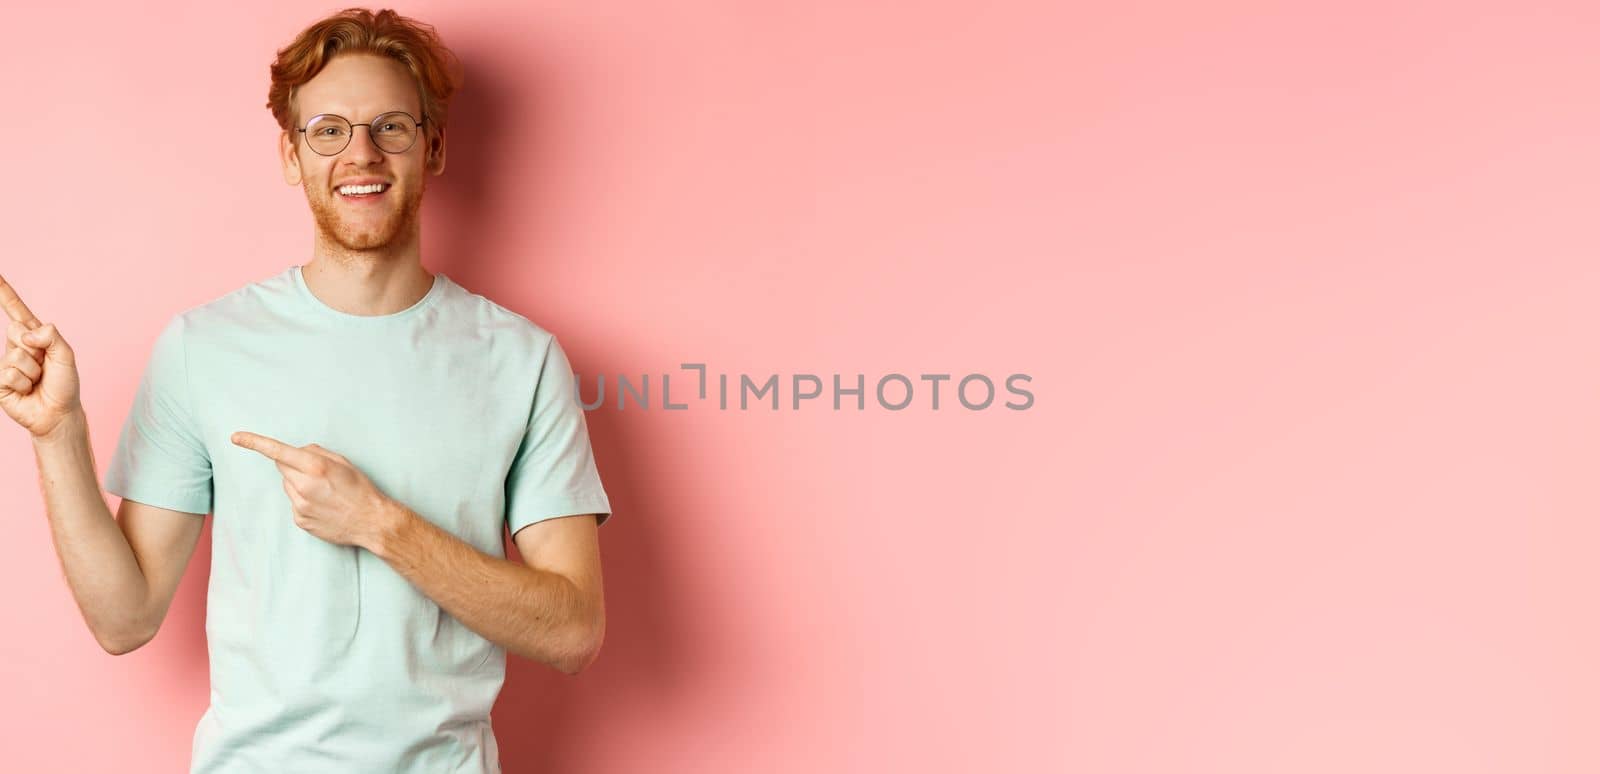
(363, 189)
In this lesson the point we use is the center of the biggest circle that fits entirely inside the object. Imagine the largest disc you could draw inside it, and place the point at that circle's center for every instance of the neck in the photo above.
(367, 284)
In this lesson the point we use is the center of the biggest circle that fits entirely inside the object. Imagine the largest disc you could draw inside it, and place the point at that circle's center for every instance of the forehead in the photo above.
(360, 86)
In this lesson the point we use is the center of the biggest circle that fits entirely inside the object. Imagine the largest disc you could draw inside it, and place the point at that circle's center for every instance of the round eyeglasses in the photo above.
(394, 132)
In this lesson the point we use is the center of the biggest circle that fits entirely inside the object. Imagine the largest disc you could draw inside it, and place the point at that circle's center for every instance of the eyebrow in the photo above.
(375, 115)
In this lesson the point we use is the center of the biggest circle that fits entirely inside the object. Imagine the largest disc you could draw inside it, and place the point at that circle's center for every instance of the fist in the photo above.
(38, 374)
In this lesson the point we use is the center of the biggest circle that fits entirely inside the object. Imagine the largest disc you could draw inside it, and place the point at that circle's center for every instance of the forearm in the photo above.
(534, 613)
(99, 564)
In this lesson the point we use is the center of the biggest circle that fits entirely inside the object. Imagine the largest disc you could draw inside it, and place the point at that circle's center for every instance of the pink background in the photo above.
(1307, 295)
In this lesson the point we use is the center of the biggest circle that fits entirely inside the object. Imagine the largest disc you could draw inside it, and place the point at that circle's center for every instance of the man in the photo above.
(361, 432)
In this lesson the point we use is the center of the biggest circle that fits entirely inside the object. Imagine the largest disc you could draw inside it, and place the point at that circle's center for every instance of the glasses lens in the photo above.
(327, 134)
(394, 132)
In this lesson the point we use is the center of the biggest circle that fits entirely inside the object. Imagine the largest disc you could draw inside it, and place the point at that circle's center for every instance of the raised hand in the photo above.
(39, 376)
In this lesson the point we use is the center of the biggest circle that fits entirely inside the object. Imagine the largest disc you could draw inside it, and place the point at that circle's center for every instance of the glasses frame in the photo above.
(371, 127)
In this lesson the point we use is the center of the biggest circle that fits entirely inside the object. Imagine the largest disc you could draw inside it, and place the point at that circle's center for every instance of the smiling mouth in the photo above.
(364, 197)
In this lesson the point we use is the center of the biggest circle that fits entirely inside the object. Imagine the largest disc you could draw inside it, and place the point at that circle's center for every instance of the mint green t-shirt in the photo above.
(324, 658)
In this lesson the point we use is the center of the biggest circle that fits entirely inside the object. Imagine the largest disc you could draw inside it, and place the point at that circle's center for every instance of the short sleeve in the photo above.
(553, 473)
(160, 459)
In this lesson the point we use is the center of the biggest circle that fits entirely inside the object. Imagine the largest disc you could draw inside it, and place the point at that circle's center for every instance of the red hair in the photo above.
(414, 44)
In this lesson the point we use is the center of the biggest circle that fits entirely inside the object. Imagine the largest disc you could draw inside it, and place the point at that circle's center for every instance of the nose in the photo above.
(362, 147)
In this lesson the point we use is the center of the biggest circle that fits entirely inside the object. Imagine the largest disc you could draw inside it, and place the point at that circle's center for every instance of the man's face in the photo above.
(361, 87)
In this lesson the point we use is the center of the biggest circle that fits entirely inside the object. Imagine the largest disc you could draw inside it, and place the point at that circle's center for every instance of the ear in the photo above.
(289, 155)
(435, 162)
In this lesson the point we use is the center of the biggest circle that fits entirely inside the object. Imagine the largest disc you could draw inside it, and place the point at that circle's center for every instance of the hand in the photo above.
(39, 376)
(331, 498)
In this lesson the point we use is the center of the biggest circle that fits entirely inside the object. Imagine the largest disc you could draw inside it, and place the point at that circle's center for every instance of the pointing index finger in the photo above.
(275, 449)
(14, 307)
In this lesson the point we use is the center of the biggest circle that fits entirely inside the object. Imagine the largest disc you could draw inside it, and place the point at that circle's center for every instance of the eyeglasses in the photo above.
(393, 132)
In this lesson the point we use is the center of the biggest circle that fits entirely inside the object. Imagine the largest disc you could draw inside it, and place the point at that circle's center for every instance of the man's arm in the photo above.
(552, 609)
(122, 571)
